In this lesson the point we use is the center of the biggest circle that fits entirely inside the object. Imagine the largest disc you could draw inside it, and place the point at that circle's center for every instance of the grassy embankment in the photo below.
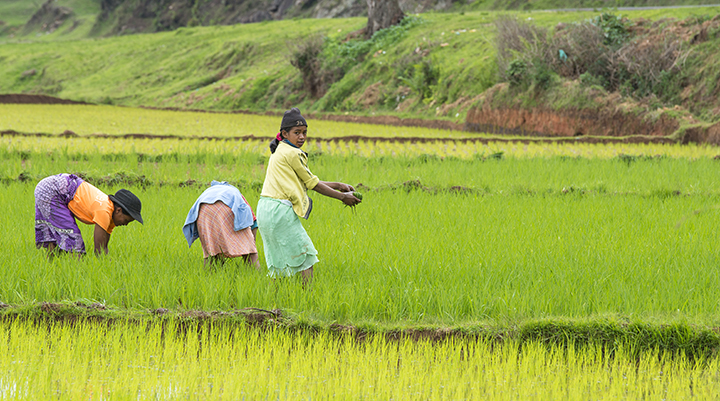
(433, 67)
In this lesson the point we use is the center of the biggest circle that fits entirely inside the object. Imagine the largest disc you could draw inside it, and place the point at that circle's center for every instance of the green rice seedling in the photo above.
(534, 234)
(174, 359)
(504, 255)
(683, 170)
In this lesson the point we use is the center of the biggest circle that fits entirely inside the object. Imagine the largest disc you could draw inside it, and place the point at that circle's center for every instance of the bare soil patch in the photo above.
(568, 123)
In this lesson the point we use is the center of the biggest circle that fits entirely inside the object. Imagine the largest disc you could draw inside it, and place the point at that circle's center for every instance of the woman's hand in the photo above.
(350, 199)
(333, 190)
(344, 187)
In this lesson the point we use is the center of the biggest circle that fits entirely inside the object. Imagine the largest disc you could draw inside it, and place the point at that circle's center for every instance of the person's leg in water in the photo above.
(252, 260)
(307, 276)
(52, 250)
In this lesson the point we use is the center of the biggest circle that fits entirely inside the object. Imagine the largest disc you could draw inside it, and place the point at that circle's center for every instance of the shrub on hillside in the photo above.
(323, 61)
(601, 51)
(580, 49)
(647, 65)
(614, 28)
(419, 74)
(520, 41)
(517, 72)
(305, 56)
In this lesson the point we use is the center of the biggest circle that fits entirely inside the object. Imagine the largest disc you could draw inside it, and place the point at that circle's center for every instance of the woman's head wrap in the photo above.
(291, 118)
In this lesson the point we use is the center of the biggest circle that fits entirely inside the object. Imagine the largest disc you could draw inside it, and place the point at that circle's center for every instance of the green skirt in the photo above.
(288, 248)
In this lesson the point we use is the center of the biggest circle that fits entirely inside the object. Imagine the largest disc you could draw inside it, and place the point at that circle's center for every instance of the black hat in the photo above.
(129, 203)
(292, 118)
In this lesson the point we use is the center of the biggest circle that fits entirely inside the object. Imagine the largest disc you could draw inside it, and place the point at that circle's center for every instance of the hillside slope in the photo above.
(90, 18)
(435, 66)
(113, 17)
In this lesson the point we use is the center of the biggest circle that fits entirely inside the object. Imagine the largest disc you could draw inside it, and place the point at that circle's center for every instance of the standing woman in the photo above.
(288, 248)
(60, 199)
(225, 224)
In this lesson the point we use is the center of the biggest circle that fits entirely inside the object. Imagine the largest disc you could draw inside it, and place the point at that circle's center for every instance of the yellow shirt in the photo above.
(288, 177)
(92, 206)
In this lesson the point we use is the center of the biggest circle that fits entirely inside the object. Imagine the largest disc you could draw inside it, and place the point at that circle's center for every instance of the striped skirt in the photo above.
(215, 225)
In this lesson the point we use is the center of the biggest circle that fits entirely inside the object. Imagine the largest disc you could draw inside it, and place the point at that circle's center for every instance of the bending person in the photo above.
(288, 248)
(225, 224)
(62, 198)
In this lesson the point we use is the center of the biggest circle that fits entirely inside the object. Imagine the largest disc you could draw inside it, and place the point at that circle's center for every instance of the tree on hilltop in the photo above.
(382, 14)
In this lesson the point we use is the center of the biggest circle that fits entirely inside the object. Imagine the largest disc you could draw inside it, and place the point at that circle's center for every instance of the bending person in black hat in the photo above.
(62, 198)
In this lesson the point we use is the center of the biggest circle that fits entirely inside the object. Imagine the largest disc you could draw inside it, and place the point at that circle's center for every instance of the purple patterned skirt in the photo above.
(54, 222)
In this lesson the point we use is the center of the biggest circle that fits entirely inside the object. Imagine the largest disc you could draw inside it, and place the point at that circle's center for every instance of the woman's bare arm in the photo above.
(102, 238)
(339, 186)
(346, 197)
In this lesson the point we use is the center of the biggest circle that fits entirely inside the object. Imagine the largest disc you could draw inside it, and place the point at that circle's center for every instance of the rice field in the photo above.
(183, 132)
(170, 360)
(470, 237)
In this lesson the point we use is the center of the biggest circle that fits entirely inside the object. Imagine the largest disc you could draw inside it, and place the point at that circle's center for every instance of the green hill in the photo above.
(92, 18)
(433, 66)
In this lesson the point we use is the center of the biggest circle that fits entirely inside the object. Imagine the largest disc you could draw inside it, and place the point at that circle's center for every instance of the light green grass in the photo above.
(528, 236)
(104, 148)
(169, 360)
(112, 120)
(185, 130)
(685, 170)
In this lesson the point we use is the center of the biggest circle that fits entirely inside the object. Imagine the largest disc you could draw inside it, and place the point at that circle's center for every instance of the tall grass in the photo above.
(407, 256)
(625, 230)
(172, 360)
(607, 170)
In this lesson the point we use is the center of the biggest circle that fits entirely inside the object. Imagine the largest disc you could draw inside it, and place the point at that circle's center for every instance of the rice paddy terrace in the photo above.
(499, 267)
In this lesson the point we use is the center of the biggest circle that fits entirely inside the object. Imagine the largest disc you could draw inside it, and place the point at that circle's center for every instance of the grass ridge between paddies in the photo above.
(609, 332)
